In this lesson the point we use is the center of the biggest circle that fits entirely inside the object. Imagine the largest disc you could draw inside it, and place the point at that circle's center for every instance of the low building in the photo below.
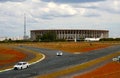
(11, 38)
(72, 34)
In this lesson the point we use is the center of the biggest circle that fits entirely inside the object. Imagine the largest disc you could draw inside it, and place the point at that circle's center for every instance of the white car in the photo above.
(21, 65)
(59, 53)
(116, 59)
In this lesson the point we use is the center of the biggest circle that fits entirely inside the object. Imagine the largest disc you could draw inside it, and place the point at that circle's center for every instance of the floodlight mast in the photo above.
(24, 26)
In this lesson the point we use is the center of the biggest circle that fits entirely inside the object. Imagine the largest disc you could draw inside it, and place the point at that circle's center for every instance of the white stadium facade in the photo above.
(71, 34)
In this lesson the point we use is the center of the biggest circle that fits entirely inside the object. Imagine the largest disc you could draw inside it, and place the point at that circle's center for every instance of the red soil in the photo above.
(110, 70)
(8, 55)
(98, 73)
(72, 47)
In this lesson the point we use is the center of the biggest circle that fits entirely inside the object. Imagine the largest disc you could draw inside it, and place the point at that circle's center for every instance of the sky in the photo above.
(59, 14)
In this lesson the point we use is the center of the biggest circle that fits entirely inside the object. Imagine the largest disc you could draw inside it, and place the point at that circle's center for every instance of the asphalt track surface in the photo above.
(54, 63)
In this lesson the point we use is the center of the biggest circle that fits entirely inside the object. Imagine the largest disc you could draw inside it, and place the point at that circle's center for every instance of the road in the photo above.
(54, 63)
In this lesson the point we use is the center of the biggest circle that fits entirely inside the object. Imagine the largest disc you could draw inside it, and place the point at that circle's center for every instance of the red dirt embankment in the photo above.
(110, 70)
(8, 56)
(71, 46)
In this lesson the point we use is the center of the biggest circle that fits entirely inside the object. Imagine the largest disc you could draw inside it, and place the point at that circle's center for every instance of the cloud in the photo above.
(53, 10)
(112, 6)
(97, 8)
(11, 0)
(72, 1)
(41, 14)
(36, 9)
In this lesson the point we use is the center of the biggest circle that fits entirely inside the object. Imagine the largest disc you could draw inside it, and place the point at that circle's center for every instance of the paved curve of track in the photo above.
(53, 63)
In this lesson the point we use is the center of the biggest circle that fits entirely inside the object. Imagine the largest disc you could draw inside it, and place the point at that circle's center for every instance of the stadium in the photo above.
(71, 34)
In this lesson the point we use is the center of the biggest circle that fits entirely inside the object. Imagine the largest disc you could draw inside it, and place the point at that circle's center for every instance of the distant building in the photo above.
(12, 38)
(72, 34)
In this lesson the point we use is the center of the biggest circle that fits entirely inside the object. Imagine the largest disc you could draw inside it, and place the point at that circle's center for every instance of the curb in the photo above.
(30, 64)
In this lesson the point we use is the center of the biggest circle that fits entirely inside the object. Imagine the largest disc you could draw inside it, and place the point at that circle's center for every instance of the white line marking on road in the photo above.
(30, 64)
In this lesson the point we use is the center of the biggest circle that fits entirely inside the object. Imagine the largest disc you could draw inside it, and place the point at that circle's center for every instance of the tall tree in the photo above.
(49, 36)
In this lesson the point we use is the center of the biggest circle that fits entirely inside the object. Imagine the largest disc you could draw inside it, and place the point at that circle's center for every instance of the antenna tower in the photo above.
(24, 26)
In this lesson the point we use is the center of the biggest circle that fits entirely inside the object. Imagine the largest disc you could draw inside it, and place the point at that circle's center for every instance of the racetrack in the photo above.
(54, 63)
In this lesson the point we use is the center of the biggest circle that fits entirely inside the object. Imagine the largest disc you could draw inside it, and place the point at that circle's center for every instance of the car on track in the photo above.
(116, 59)
(59, 53)
(21, 65)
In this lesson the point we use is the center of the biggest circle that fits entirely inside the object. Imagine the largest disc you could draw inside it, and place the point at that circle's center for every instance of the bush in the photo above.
(110, 39)
(48, 37)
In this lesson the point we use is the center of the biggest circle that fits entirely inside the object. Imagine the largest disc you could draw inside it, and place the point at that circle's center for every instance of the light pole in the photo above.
(25, 26)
